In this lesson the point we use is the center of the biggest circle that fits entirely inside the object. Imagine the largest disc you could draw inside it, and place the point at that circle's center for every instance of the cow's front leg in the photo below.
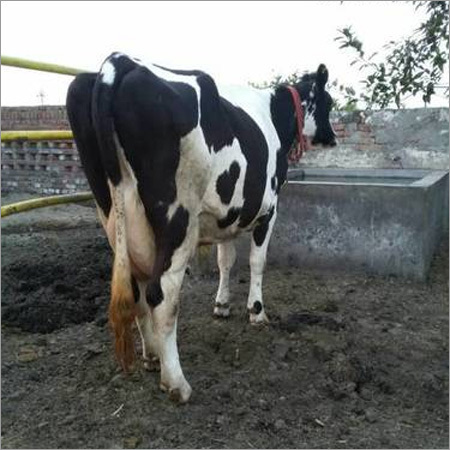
(145, 326)
(226, 256)
(260, 241)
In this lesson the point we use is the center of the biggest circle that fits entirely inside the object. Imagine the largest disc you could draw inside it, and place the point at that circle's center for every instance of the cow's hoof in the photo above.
(178, 395)
(221, 311)
(151, 363)
(259, 319)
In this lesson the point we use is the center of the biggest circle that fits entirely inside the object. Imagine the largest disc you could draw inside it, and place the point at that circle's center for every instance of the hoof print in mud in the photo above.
(298, 321)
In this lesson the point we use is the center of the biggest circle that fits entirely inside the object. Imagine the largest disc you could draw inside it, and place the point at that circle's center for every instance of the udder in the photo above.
(140, 237)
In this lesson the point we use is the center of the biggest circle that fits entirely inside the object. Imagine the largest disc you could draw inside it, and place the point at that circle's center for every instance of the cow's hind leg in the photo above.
(260, 241)
(226, 256)
(165, 317)
(164, 295)
(145, 327)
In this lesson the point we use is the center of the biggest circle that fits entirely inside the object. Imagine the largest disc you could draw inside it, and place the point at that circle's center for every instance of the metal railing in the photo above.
(34, 135)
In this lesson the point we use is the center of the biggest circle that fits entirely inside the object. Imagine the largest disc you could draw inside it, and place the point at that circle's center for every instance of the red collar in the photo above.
(302, 144)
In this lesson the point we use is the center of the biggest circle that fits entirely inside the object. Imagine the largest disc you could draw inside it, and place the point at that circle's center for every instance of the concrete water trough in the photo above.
(381, 221)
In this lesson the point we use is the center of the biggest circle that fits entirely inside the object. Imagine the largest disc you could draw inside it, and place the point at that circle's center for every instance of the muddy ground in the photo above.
(348, 361)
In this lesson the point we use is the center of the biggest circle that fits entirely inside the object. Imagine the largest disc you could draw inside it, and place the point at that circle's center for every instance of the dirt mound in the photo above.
(51, 286)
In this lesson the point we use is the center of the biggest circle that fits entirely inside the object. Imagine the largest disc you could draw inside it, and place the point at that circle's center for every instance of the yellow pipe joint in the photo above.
(34, 203)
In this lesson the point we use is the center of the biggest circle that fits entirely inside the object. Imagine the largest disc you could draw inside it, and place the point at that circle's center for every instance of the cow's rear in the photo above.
(128, 124)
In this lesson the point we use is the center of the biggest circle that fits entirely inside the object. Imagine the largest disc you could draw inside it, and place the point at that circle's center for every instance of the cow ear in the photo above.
(322, 76)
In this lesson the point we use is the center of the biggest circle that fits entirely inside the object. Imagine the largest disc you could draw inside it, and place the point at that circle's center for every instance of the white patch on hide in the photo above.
(108, 73)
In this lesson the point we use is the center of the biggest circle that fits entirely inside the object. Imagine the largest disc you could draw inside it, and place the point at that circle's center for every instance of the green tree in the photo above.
(412, 66)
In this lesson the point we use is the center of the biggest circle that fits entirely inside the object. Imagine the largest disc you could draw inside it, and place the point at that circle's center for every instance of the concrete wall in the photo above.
(397, 139)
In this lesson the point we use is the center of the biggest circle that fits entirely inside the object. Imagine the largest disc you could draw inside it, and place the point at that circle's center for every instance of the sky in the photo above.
(235, 42)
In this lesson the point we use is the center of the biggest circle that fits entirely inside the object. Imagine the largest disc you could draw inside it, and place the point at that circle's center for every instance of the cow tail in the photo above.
(122, 307)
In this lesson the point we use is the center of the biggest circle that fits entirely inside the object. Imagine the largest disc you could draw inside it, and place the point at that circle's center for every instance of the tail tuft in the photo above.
(122, 312)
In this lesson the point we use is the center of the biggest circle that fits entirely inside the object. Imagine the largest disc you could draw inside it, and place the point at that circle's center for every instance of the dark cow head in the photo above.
(317, 104)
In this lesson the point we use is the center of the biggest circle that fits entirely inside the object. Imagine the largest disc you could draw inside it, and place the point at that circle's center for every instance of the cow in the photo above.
(175, 161)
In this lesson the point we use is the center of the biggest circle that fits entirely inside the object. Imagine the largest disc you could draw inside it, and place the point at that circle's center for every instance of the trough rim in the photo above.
(424, 178)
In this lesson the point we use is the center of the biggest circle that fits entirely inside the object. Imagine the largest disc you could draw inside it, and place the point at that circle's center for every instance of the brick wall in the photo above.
(34, 118)
(353, 130)
(44, 167)
(380, 139)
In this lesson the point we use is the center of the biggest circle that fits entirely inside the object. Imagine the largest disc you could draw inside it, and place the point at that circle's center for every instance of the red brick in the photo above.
(338, 126)
(363, 127)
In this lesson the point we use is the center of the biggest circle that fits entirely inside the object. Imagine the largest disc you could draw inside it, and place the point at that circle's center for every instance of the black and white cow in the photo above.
(175, 161)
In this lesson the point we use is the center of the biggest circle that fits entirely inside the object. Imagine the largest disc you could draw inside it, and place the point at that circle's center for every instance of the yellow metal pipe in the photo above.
(26, 205)
(36, 65)
(36, 135)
